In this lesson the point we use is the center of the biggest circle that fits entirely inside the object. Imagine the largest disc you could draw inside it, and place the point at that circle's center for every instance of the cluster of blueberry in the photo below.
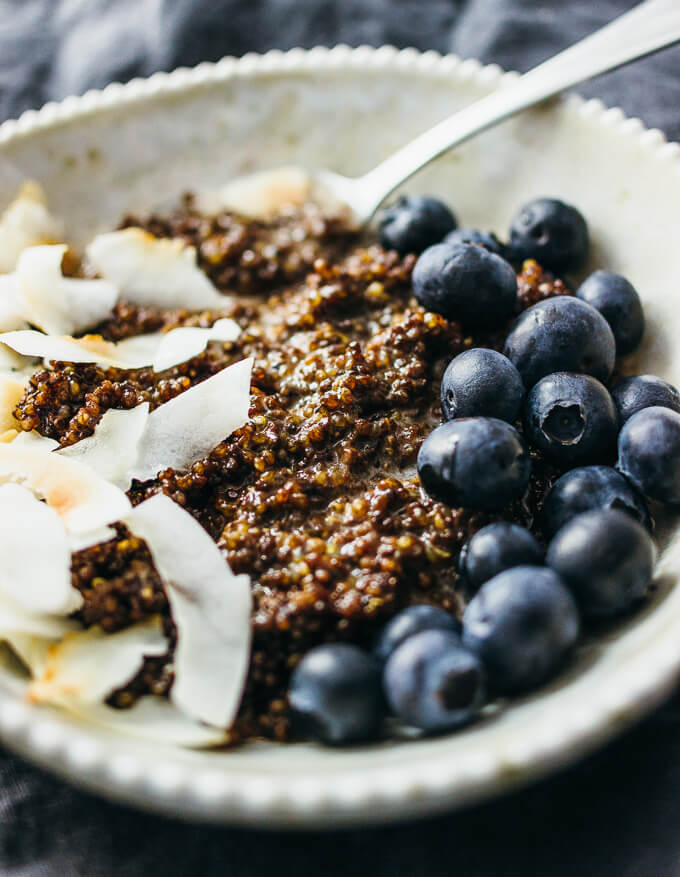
(527, 602)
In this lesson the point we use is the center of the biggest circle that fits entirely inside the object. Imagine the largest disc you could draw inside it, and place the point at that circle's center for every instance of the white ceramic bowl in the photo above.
(140, 145)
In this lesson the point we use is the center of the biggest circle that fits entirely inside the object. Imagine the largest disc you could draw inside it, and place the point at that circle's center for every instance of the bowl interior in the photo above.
(142, 147)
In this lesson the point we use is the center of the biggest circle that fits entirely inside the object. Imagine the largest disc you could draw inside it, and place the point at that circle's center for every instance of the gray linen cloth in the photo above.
(618, 813)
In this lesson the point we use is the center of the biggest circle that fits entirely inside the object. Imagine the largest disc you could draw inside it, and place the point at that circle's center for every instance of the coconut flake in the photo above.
(81, 541)
(30, 635)
(151, 718)
(26, 223)
(11, 390)
(189, 426)
(153, 272)
(33, 439)
(210, 607)
(112, 449)
(82, 499)
(11, 310)
(35, 579)
(261, 194)
(182, 344)
(60, 348)
(11, 361)
(31, 650)
(88, 666)
(136, 352)
(14, 619)
(56, 304)
(155, 349)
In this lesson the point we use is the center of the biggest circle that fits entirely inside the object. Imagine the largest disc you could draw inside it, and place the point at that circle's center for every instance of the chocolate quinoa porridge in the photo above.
(316, 498)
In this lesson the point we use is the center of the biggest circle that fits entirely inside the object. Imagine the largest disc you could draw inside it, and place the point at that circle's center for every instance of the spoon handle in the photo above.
(648, 27)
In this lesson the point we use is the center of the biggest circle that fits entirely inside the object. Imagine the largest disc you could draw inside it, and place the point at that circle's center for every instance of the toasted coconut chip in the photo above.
(31, 650)
(153, 272)
(112, 449)
(136, 352)
(11, 361)
(14, 619)
(182, 344)
(12, 388)
(210, 607)
(151, 718)
(56, 304)
(26, 223)
(80, 541)
(35, 570)
(82, 499)
(261, 194)
(89, 665)
(155, 349)
(30, 635)
(61, 348)
(189, 426)
(33, 439)
(12, 314)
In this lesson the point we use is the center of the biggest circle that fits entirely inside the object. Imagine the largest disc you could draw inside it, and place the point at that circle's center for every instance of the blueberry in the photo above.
(433, 683)
(522, 624)
(562, 334)
(649, 453)
(618, 302)
(495, 548)
(481, 383)
(605, 558)
(472, 236)
(414, 223)
(477, 462)
(631, 395)
(588, 488)
(335, 694)
(571, 418)
(410, 621)
(464, 282)
(552, 232)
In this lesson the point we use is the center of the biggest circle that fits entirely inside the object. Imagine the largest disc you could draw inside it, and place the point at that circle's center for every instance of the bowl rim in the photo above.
(405, 788)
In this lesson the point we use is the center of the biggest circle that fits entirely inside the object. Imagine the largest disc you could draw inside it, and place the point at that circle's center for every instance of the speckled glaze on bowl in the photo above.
(140, 145)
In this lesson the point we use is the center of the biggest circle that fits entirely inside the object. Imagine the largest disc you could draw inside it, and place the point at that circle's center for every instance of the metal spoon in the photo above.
(648, 27)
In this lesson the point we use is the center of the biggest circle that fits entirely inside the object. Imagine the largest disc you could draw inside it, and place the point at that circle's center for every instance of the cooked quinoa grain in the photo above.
(316, 497)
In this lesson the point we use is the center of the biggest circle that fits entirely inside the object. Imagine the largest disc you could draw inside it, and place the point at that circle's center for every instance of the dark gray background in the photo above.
(618, 814)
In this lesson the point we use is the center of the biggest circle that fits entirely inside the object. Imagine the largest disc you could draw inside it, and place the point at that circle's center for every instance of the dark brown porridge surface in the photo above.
(316, 497)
